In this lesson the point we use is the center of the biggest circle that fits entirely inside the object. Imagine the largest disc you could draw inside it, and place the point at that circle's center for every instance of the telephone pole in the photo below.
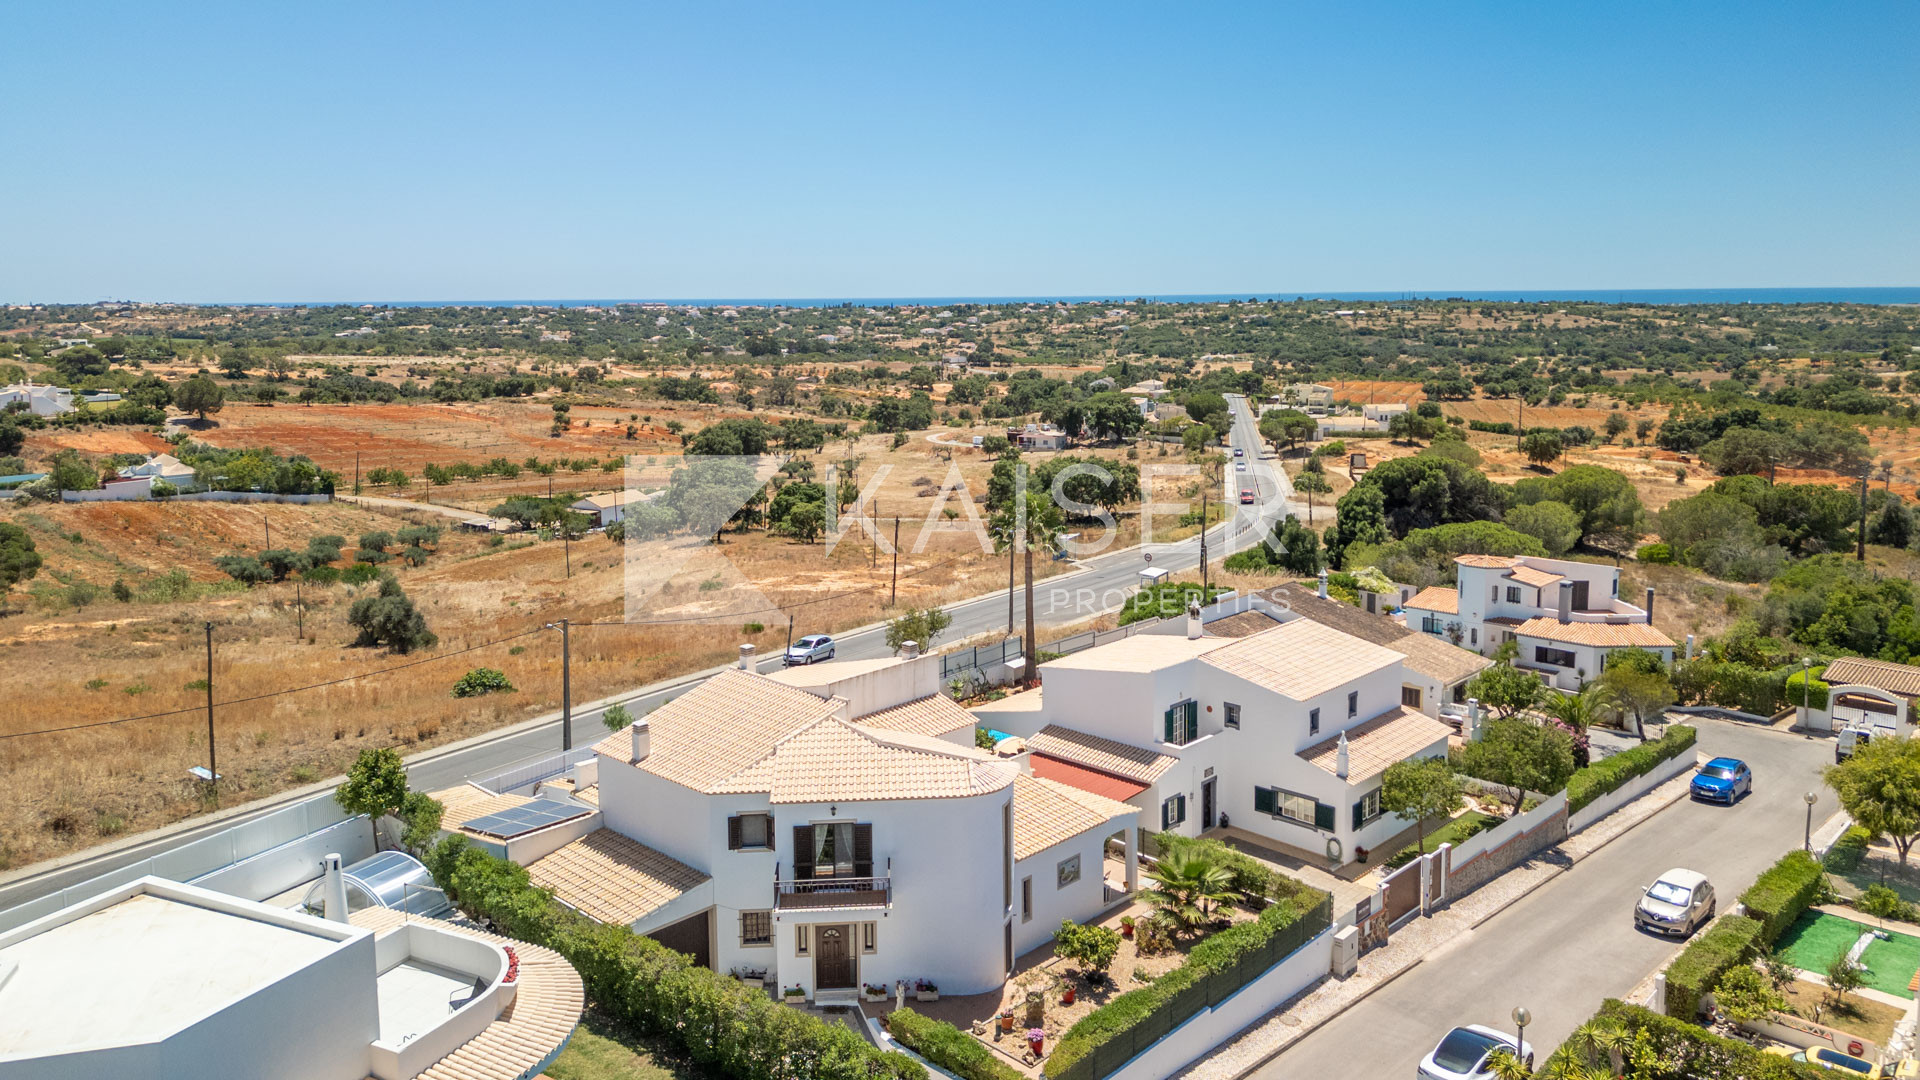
(893, 589)
(1860, 534)
(1203, 539)
(299, 614)
(213, 761)
(565, 626)
(356, 472)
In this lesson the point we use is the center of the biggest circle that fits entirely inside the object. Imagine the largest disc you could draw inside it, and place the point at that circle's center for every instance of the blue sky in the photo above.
(491, 151)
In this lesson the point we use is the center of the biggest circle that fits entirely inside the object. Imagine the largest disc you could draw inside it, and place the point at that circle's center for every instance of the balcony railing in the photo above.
(833, 892)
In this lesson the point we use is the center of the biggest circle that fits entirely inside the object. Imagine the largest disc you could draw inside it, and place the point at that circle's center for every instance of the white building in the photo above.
(833, 826)
(1383, 412)
(157, 979)
(41, 400)
(1284, 733)
(164, 467)
(1565, 616)
(610, 507)
(1308, 393)
(1864, 693)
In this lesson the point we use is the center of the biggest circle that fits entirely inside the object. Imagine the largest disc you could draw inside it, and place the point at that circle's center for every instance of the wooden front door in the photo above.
(833, 964)
(1206, 804)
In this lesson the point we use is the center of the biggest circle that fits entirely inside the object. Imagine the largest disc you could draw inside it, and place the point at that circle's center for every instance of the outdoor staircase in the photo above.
(829, 998)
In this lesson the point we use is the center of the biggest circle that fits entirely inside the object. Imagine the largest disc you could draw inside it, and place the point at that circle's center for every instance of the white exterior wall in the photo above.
(1079, 901)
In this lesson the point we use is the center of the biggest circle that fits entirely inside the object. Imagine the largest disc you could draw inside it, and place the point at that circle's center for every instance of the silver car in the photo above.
(1677, 904)
(809, 649)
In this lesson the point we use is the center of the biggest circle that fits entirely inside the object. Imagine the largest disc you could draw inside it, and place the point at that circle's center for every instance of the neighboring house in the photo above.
(1308, 393)
(155, 978)
(164, 467)
(1383, 412)
(1866, 693)
(831, 826)
(1564, 616)
(1283, 733)
(1152, 388)
(611, 507)
(1038, 437)
(1104, 382)
(41, 400)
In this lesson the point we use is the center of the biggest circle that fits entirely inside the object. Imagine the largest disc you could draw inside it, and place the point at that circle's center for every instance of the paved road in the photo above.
(1571, 943)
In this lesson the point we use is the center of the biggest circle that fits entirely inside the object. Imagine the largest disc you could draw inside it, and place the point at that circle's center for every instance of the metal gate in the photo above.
(1403, 891)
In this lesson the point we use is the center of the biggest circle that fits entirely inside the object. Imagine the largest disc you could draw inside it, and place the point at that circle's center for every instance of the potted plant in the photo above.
(793, 995)
(924, 990)
(1006, 1021)
(872, 992)
(1360, 853)
(1071, 992)
(1036, 1040)
(753, 978)
(1126, 927)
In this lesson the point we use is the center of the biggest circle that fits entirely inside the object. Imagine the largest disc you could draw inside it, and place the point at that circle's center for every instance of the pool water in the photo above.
(1816, 939)
(997, 735)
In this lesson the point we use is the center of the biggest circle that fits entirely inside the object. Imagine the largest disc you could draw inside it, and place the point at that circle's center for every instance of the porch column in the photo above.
(1133, 858)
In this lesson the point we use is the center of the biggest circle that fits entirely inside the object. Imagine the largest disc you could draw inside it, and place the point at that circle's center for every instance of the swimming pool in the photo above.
(1815, 939)
(997, 735)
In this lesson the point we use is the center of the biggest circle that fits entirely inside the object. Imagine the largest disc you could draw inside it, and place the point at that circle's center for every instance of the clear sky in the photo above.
(415, 151)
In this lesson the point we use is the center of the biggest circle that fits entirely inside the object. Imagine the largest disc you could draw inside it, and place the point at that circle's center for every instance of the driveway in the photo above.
(1571, 943)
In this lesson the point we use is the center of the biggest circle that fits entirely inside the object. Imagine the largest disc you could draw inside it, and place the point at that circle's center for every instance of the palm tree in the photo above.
(1186, 887)
(1505, 1066)
(1037, 527)
(1311, 484)
(1596, 1037)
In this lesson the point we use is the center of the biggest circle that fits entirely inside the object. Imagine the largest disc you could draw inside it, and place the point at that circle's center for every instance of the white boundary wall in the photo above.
(1631, 790)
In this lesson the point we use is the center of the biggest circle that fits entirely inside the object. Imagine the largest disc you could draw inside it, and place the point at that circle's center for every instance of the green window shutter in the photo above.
(1359, 813)
(1265, 800)
(1322, 816)
(1169, 735)
(1181, 808)
(1193, 720)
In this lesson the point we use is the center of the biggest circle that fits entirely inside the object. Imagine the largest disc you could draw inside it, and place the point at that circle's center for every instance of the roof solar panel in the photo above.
(519, 820)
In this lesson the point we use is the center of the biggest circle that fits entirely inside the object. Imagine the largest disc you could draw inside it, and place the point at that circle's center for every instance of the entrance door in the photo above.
(1206, 804)
(1580, 595)
(833, 964)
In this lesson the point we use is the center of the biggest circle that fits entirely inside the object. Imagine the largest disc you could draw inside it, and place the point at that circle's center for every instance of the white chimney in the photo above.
(1340, 758)
(1649, 605)
(1473, 718)
(909, 649)
(642, 740)
(1323, 584)
(333, 889)
(1689, 646)
(746, 658)
(1566, 601)
(1195, 627)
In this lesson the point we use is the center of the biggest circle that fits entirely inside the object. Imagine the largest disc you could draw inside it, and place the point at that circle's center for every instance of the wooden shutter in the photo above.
(1180, 808)
(863, 851)
(733, 833)
(770, 833)
(1193, 720)
(1265, 800)
(803, 851)
(1169, 726)
(1359, 813)
(1323, 816)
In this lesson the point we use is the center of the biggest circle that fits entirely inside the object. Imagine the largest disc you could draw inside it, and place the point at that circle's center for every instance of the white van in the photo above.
(979, 440)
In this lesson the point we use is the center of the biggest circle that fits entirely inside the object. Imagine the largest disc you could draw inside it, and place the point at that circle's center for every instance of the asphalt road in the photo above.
(1571, 943)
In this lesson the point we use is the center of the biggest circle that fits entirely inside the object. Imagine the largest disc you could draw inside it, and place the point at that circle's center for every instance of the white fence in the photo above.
(1631, 790)
(246, 497)
(1512, 828)
(527, 773)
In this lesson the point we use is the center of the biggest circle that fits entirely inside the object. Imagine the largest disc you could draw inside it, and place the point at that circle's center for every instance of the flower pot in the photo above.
(868, 995)
(1067, 998)
(1037, 1046)
(1126, 931)
(1006, 1022)
(926, 995)
(753, 984)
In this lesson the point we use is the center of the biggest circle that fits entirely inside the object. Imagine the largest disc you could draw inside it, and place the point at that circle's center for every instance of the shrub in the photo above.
(162, 489)
(1782, 892)
(1610, 773)
(1882, 902)
(1654, 553)
(1677, 1050)
(1732, 940)
(948, 1047)
(479, 681)
(1247, 875)
(1806, 689)
(359, 573)
(1092, 947)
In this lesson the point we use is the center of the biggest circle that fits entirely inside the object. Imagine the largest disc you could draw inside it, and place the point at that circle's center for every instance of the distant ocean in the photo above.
(1866, 295)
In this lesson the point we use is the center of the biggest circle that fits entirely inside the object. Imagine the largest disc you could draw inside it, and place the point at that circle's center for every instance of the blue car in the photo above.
(1722, 780)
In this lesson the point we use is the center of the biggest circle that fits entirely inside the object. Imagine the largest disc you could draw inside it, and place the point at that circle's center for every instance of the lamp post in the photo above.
(1811, 797)
(565, 626)
(1521, 1018)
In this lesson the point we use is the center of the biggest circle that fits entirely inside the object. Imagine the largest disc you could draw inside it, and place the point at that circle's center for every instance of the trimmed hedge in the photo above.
(719, 1023)
(1783, 891)
(1806, 689)
(1681, 1051)
(1734, 939)
(1610, 773)
(948, 1047)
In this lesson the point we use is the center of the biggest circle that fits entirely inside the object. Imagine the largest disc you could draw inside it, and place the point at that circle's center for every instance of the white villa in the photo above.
(1866, 693)
(163, 467)
(610, 507)
(1284, 732)
(40, 400)
(1565, 616)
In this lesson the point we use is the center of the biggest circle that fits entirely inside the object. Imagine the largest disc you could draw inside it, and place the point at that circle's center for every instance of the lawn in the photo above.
(603, 1050)
(1816, 939)
(1453, 832)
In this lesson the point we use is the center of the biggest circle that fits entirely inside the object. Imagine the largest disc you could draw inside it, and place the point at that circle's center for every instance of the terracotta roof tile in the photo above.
(1093, 781)
(1046, 812)
(1445, 663)
(1882, 674)
(1534, 576)
(1602, 635)
(1134, 763)
(1487, 562)
(933, 715)
(1241, 625)
(612, 877)
(720, 728)
(836, 761)
(1395, 735)
(1301, 659)
(1436, 598)
(1305, 601)
(467, 802)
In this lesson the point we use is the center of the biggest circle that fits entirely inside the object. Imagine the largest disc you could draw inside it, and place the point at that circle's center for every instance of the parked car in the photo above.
(809, 649)
(1833, 1060)
(1723, 779)
(1849, 740)
(1462, 1055)
(1678, 903)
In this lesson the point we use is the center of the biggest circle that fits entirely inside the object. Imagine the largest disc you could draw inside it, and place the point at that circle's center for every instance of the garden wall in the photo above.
(1631, 790)
(1485, 856)
(247, 497)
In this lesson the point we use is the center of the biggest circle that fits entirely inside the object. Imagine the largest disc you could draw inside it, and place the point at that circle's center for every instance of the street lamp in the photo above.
(1811, 797)
(1521, 1018)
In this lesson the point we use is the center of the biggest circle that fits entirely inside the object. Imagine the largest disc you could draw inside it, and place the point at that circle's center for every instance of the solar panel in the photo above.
(537, 814)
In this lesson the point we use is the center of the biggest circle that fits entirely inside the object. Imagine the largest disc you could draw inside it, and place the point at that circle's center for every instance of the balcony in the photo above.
(818, 893)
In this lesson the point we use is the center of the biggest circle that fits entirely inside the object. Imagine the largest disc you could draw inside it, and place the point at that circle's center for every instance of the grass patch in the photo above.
(601, 1049)
(1453, 832)
(1816, 939)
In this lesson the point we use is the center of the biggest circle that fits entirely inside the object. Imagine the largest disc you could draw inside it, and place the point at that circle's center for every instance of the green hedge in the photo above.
(1677, 1050)
(719, 1023)
(1734, 939)
(948, 1047)
(1804, 689)
(1786, 889)
(1610, 773)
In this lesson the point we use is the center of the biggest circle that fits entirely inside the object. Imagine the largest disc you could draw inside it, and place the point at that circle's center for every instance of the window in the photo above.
(1068, 871)
(1513, 594)
(750, 832)
(1496, 594)
(1431, 624)
(1367, 808)
(1410, 696)
(1353, 704)
(801, 939)
(1300, 809)
(1295, 807)
(1233, 716)
(1313, 721)
(1173, 811)
(1552, 657)
(1026, 899)
(756, 928)
(1006, 857)
(1473, 636)
(1182, 723)
(868, 938)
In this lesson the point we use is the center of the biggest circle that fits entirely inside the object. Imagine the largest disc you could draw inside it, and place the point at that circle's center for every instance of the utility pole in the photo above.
(213, 761)
(1010, 590)
(356, 472)
(1203, 539)
(789, 632)
(893, 589)
(566, 681)
(299, 614)
(269, 527)
(1860, 535)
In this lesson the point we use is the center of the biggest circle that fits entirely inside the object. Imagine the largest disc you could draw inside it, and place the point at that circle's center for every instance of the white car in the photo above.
(809, 649)
(1237, 452)
(1462, 1055)
(1239, 466)
(1678, 903)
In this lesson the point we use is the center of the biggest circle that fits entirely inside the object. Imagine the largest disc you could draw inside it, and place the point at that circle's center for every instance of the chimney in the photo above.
(1340, 758)
(1473, 718)
(642, 740)
(1323, 584)
(1649, 605)
(909, 649)
(1195, 627)
(1689, 646)
(333, 891)
(1566, 601)
(746, 658)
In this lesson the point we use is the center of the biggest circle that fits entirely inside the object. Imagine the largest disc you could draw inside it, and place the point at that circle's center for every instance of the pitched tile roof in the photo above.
(1394, 735)
(529, 1033)
(1486, 562)
(1093, 781)
(1436, 598)
(1859, 671)
(837, 761)
(1534, 576)
(1301, 659)
(831, 671)
(704, 738)
(1046, 812)
(933, 715)
(1241, 625)
(1445, 663)
(462, 804)
(1603, 635)
(1134, 763)
(612, 877)
(1305, 601)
